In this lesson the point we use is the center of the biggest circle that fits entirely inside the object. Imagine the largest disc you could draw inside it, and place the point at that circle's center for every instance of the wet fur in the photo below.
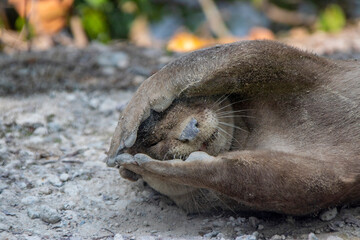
(301, 152)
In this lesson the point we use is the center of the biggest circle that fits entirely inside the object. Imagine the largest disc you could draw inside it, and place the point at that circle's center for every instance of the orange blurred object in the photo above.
(186, 42)
(260, 33)
(46, 16)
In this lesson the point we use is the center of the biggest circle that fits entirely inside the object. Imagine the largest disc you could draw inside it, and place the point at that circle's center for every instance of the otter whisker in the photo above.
(197, 206)
(231, 125)
(231, 136)
(205, 197)
(237, 111)
(220, 100)
(224, 203)
(167, 153)
(232, 116)
(231, 104)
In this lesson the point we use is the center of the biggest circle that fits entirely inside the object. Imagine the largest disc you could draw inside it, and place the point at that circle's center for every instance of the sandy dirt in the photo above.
(54, 183)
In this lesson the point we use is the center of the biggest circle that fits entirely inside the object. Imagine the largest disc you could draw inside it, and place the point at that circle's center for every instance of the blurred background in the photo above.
(174, 25)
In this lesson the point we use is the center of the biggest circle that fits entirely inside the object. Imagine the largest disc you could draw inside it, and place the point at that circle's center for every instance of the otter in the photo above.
(289, 139)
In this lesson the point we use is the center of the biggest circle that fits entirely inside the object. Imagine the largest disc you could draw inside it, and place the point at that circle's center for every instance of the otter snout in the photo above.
(190, 131)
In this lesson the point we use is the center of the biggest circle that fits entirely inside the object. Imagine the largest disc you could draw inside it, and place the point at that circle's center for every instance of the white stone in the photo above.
(49, 215)
(118, 236)
(328, 215)
(40, 131)
(54, 180)
(334, 238)
(30, 200)
(108, 106)
(312, 236)
(30, 118)
(64, 177)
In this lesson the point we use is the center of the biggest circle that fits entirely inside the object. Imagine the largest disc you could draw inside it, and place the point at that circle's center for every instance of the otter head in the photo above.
(188, 125)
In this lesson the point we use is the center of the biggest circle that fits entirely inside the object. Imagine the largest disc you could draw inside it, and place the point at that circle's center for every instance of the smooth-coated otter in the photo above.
(295, 129)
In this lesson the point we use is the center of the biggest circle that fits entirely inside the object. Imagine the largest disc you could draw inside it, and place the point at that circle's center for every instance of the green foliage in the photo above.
(96, 3)
(95, 24)
(257, 3)
(331, 19)
(20, 23)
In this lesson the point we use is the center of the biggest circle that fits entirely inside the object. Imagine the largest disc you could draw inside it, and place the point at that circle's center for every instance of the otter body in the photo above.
(255, 125)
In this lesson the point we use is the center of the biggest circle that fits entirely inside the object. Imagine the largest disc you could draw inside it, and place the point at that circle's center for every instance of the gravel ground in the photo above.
(54, 183)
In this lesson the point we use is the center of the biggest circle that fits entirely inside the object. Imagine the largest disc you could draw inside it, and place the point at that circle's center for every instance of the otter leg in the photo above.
(263, 180)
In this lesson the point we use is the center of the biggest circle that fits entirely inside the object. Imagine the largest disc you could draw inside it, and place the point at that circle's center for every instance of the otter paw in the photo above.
(129, 175)
(128, 159)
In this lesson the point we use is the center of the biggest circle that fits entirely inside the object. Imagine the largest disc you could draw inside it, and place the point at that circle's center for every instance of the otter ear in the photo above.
(190, 131)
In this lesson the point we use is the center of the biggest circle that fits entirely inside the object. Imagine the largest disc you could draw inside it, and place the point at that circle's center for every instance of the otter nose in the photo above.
(190, 131)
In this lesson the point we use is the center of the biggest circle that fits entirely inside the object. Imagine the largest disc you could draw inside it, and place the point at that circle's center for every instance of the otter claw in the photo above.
(129, 142)
(124, 158)
(142, 158)
(120, 148)
(110, 162)
(162, 104)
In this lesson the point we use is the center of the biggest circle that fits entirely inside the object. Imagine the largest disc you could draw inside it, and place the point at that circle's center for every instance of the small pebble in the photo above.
(328, 215)
(54, 127)
(64, 177)
(32, 238)
(312, 236)
(118, 236)
(70, 97)
(340, 224)
(211, 234)
(29, 200)
(237, 229)
(108, 106)
(3, 227)
(290, 219)
(218, 223)
(240, 220)
(254, 222)
(116, 59)
(220, 236)
(55, 181)
(49, 215)
(138, 80)
(33, 213)
(4, 153)
(94, 103)
(277, 237)
(3, 186)
(40, 131)
(68, 206)
(334, 238)
(45, 190)
(246, 237)
(108, 71)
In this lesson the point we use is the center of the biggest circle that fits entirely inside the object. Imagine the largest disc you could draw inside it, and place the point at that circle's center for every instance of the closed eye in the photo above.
(184, 140)
(153, 144)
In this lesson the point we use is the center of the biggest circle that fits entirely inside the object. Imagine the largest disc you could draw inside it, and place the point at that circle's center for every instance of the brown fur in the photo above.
(301, 149)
